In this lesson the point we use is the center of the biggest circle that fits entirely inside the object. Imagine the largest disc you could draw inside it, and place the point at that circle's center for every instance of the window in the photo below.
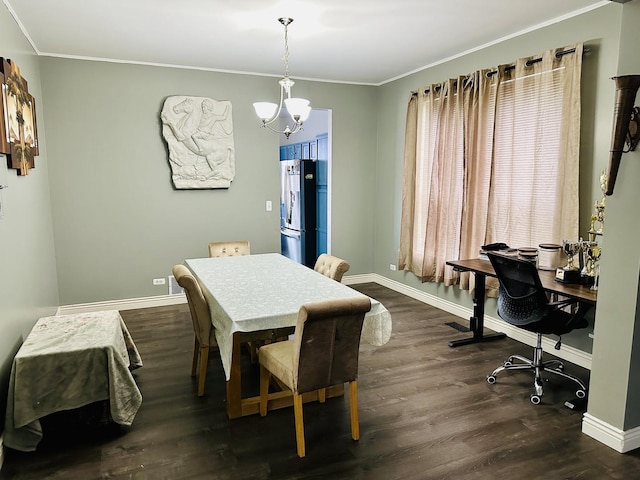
(491, 157)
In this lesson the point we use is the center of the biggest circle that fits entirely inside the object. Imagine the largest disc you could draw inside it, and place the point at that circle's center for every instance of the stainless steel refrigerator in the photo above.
(298, 210)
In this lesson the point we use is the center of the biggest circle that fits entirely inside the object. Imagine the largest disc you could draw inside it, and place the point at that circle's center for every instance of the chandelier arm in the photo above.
(277, 114)
(275, 130)
(296, 128)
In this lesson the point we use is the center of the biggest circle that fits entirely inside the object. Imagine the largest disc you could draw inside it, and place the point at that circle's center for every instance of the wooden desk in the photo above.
(249, 296)
(482, 268)
(66, 362)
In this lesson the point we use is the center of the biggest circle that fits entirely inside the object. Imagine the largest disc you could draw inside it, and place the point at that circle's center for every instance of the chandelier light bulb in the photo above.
(265, 110)
(296, 106)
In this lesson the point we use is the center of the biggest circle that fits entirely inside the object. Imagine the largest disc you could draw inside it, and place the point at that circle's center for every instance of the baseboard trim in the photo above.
(362, 278)
(125, 304)
(620, 440)
(568, 353)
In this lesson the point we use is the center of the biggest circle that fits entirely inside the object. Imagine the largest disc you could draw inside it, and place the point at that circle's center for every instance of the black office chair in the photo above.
(523, 302)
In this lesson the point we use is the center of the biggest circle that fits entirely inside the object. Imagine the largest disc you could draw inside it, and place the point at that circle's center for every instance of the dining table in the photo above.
(67, 362)
(253, 296)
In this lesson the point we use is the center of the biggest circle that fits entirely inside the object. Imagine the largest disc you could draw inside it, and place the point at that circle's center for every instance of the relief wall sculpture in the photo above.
(199, 136)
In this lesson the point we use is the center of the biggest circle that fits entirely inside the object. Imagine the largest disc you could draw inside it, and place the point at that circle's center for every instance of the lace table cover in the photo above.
(260, 292)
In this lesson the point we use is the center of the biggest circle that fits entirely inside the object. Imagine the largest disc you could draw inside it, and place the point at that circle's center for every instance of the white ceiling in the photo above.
(353, 41)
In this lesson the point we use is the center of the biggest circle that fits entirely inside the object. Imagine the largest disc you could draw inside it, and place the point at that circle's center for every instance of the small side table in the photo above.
(66, 362)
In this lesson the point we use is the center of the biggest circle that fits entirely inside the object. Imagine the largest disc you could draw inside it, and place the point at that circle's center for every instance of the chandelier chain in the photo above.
(286, 50)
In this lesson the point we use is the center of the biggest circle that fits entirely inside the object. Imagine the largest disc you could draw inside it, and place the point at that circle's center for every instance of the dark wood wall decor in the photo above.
(18, 128)
(625, 125)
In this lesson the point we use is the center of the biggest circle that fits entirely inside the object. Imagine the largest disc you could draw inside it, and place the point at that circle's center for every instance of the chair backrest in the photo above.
(521, 296)
(229, 249)
(327, 342)
(332, 267)
(198, 305)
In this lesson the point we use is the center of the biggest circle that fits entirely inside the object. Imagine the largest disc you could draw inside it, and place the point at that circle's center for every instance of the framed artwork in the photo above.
(3, 185)
(18, 129)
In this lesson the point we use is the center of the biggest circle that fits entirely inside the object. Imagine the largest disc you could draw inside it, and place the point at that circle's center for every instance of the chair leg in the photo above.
(537, 362)
(297, 412)
(353, 409)
(202, 376)
(538, 366)
(196, 351)
(265, 376)
(582, 387)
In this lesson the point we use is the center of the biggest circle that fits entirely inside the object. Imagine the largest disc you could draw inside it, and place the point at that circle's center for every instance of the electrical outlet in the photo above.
(392, 267)
(159, 281)
(268, 206)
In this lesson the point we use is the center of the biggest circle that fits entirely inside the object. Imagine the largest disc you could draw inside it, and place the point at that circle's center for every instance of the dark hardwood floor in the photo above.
(426, 412)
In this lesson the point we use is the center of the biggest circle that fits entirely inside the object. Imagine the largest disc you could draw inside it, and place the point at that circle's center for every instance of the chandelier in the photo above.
(298, 108)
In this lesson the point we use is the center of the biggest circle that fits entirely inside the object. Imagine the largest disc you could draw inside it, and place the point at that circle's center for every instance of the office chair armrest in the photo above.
(563, 303)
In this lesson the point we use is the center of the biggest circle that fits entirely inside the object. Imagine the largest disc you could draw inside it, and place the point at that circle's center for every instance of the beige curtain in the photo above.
(492, 156)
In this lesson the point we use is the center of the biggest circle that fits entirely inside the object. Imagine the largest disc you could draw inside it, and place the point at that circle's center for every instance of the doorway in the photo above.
(306, 153)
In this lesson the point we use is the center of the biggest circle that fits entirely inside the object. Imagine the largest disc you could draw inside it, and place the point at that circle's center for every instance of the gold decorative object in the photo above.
(18, 128)
(593, 254)
(599, 207)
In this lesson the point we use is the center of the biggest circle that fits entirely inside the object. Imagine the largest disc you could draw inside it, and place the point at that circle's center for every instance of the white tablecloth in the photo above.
(66, 362)
(260, 292)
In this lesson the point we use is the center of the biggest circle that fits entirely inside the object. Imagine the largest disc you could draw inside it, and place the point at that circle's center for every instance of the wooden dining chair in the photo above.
(229, 249)
(332, 267)
(201, 318)
(323, 352)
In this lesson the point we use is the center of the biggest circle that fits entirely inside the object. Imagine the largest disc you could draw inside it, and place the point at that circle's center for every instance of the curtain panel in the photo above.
(491, 157)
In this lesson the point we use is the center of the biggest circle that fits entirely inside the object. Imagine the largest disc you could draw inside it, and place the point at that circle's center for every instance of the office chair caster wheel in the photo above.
(535, 399)
(581, 393)
(491, 379)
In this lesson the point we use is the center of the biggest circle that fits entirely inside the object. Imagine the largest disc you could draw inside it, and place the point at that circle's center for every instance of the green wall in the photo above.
(118, 221)
(616, 351)
(28, 285)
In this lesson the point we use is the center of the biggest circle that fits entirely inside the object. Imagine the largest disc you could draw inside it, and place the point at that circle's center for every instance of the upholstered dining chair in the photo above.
(228, 249)
(231, 249)
(201, 318)
(332, 267)
(324, 352)
(523, 302)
